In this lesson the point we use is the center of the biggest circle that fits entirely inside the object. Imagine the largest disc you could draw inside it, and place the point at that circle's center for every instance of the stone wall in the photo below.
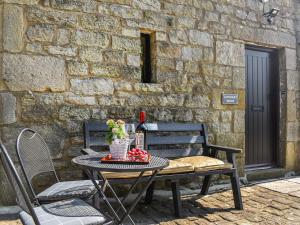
(66, 61)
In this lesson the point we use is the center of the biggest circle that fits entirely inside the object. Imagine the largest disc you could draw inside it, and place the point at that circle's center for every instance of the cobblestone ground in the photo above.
(268, 203)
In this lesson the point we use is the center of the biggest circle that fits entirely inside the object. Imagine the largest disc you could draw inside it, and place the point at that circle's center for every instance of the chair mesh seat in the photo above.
(68, 189)
(67, 212)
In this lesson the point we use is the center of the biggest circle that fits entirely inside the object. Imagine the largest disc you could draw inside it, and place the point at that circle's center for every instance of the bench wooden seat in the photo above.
(125, 175)
(186, 145)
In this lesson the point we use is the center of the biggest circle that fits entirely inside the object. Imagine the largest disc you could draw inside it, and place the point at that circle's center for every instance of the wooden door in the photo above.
(261, 108)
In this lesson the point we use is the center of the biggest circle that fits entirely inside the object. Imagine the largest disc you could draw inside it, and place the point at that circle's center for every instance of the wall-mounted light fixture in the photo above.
(269, 13)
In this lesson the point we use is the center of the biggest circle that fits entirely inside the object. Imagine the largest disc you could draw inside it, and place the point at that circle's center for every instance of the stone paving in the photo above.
(272, 202)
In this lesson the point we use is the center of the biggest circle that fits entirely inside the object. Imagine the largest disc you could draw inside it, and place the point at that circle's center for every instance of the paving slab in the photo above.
(282, 186)
(296, 194)
(295, 180)
(270, 203)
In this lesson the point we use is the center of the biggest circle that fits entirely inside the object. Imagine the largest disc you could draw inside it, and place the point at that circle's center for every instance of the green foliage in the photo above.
(116, 130)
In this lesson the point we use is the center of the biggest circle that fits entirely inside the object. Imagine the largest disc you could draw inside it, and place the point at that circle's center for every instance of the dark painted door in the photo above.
(260, 108)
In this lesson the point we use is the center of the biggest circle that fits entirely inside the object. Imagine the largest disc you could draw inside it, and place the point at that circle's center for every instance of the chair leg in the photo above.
(176, 198)
(149, 193)
(205, 185)
(234, 178)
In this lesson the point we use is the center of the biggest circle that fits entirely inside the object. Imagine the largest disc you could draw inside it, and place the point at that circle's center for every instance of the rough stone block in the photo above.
(183, 115)
(197, 101)
(90, 54)
(58, 50)
(80, 100)
(105, 71)
(111, 101)
(292, 131)
(114, 57)
(73, 113)
(91, 39)
(40, 32)
(201, 38)
(291, 156)
(226, 116)
(230, 53)
(130, 32)
(208, 55)
(239, 78)
(13, 28)
(194, 54)
(206, 116)
(160, 36)
(239, 121)
(165, 64)
(99, 22)
(35, 47)
(63, 37)
(36, 73)
(186, 22)
(293, 77)
(78, 68)
(291, 106)
(168, 50)
(123, 86)
(264, 36)
(23, 2)
(171, 100)
(65, 19)
(147, 4)
(126, 12)
(236, 140)
(134, 60)
(8, 108)
(178, 37)
(122, 43)
(99, 86)
(291, 59)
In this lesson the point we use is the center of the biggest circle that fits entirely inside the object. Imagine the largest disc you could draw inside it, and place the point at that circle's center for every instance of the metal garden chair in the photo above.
(71, 211)
(35, 159)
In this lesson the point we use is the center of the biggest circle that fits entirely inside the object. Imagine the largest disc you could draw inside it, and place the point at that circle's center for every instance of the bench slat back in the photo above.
(182, 137)
(172, 140)
(94, 134)
(159, 136)
(174, 127)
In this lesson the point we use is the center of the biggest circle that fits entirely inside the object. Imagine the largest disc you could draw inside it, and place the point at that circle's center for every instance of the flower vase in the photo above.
(118, 149)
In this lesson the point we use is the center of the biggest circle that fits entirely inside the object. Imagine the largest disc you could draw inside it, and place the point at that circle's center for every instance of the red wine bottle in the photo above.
(140, 132)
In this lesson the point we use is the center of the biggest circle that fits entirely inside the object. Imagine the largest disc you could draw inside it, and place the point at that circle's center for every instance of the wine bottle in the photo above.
(140, 131)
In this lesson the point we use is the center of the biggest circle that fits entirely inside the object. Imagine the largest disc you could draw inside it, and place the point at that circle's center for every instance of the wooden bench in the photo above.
(186, 145)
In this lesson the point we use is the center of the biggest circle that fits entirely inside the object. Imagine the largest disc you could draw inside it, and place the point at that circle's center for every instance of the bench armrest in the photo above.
(88, 151)
(225, 149)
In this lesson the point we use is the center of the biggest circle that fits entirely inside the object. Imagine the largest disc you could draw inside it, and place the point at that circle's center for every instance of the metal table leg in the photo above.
(121, 202)
(138, 198)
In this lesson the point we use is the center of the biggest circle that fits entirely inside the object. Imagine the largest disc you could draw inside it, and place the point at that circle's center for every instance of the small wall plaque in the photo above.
(230, 99)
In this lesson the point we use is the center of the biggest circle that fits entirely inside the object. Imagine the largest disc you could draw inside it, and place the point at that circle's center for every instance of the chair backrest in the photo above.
(34, 156)
(15, 180)
(173, 140)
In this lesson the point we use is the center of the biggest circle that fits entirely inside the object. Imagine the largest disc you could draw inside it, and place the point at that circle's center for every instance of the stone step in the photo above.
(264, 174)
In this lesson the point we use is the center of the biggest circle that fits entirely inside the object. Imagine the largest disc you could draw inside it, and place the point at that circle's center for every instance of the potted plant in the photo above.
(117, 139)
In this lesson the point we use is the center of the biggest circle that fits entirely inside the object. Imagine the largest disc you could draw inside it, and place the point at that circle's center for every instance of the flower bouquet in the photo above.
(117, 139)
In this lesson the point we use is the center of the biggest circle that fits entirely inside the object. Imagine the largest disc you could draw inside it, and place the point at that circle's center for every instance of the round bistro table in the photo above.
(91, 165)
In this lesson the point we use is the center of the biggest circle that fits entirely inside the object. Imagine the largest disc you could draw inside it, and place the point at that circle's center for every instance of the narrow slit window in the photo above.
(146, 58)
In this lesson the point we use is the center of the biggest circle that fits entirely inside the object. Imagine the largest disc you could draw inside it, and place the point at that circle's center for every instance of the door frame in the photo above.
(275, 85)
